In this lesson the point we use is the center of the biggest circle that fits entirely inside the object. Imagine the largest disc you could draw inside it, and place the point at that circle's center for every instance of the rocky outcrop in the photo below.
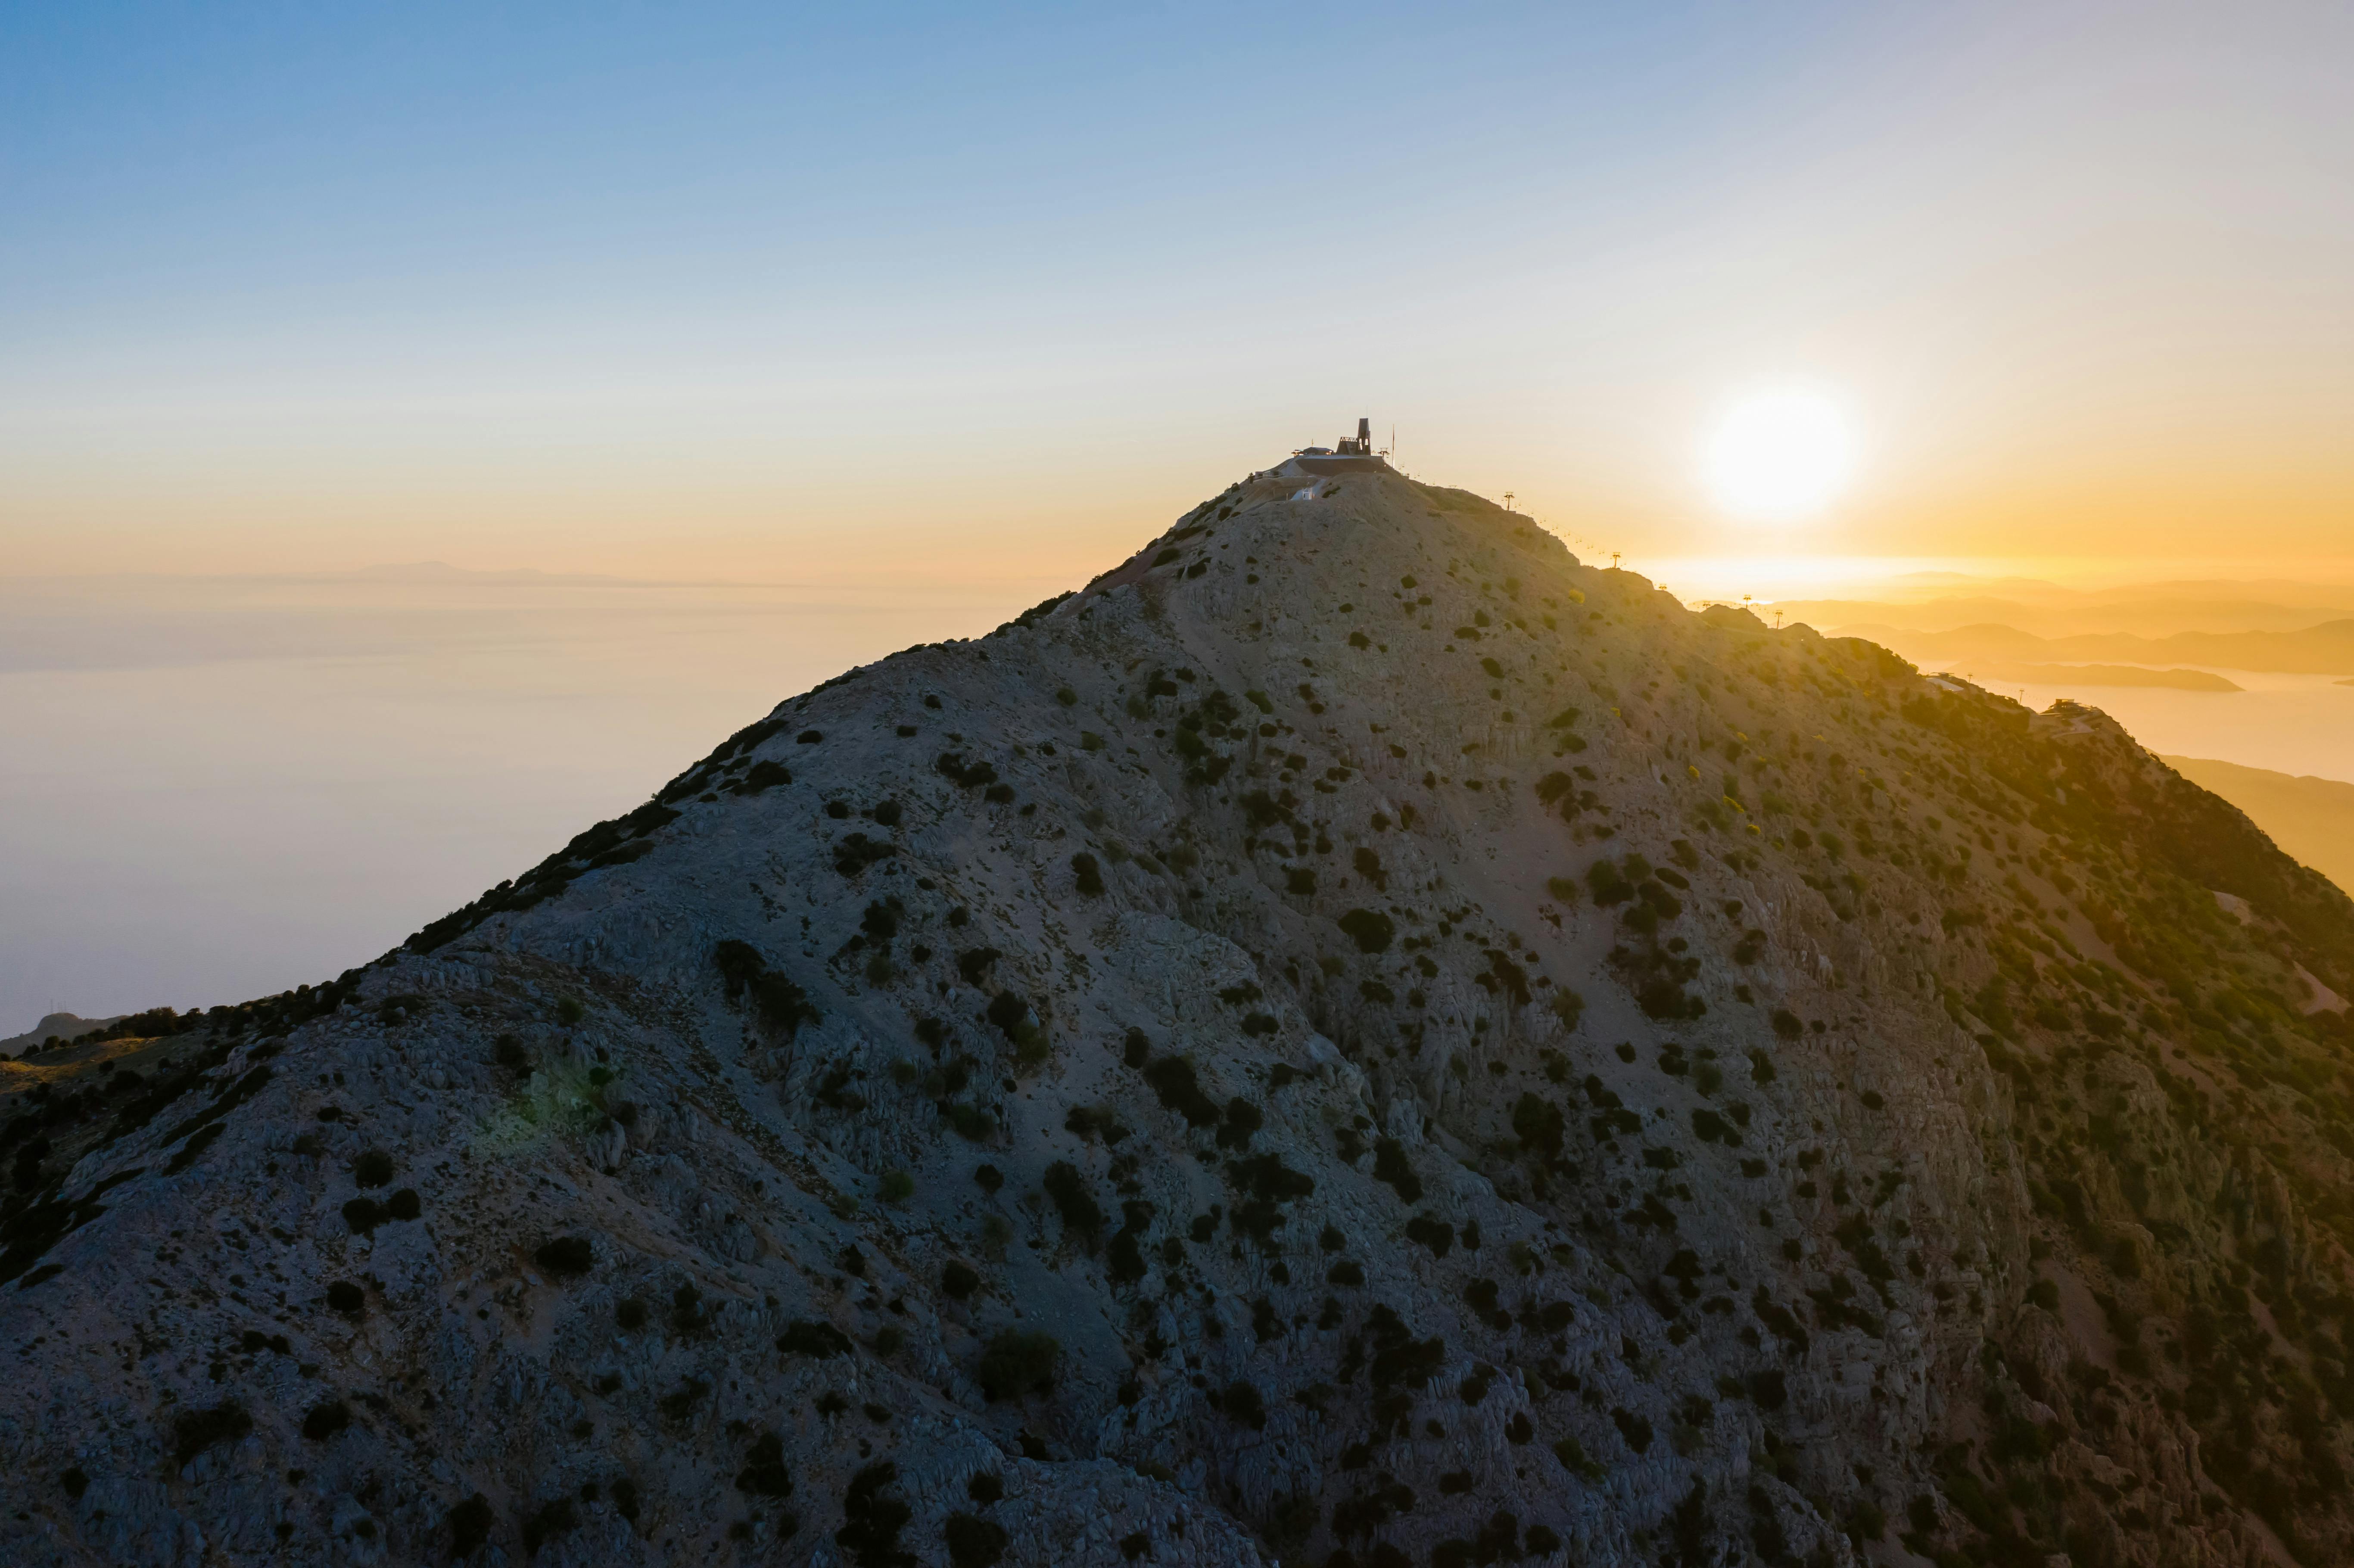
(1356, 1039)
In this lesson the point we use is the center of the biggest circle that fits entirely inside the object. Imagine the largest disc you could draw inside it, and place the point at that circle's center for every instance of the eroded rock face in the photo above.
(1354, 1039)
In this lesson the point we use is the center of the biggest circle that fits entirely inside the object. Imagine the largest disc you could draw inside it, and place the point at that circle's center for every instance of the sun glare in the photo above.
(1779, 457)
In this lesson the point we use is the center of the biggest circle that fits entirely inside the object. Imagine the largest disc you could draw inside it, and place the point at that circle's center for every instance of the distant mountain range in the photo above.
(1937, 601)
(63, 1025)
(2324, 649)
(2004, 673)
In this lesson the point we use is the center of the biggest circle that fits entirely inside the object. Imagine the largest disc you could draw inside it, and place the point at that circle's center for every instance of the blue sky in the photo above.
(657, 288)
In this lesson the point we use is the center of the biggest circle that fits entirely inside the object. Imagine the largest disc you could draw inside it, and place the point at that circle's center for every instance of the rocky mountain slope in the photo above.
(1356, 1039)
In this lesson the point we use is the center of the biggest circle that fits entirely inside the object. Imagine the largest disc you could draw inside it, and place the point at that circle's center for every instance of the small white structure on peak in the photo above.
(1354, 454)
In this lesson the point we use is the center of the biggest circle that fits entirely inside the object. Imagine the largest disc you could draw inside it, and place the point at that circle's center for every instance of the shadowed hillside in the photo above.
(2311, 819)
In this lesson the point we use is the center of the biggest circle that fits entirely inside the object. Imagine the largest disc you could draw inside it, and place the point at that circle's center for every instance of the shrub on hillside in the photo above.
(1017, 1364)
(548, 1521)
(806, 1336)
(566, 1257)
(1083, 1218)
(470, 1526)
(193, 1431)
(974, 1542)
(764, 1473)
(1370, 930)
(326, 1420)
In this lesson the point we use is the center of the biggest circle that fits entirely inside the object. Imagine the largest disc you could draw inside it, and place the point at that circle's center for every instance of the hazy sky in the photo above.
(848, 292)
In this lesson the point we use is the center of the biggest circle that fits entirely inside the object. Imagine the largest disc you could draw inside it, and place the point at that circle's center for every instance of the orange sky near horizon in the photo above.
(1001, 307)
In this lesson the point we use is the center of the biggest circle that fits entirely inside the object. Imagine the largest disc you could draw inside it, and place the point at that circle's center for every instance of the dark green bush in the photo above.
(1088, 872)
(1539, 1125)
(469, 1525)
(1016, 1364)
(1608, 885)
(404, 1205)
(974, 1542)
(326, 1420)
(566, 1257)
(780, 1003)
(569, 1010)
(855, 852)
(873, 1519)
(1242, 1119)
(1082, 1216)
(985, 1488)
(807, 1337)
(764, 1473)
(971, 1122)
(629, 1313)
(1436, 1235)
(1172, 1082)
(193, 1431)
(373, 1169)
(967, 776)
(550, 1521)
(508, 1051)
(690, 1315)
(1011, 1012)
(342, 1296)
(1007, 1010)
(1390, 1165)
(1573, 1456)
(1370, 929)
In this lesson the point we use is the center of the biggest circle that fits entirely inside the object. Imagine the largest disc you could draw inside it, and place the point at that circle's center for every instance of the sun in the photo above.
(1779, 456)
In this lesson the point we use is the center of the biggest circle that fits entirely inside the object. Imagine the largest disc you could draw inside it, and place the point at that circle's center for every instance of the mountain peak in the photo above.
(1354, 1037)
